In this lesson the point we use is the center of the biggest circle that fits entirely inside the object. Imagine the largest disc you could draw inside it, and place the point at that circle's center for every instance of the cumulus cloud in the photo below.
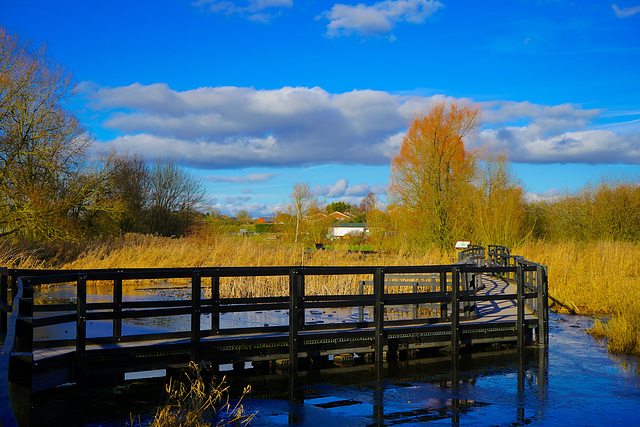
(379, 18)
(544, 196)
(625, 12)
(236, 200)
(255, 209)
(251, 9)
(341, 189)
(233, 127)
(255, 177)
(529, 144)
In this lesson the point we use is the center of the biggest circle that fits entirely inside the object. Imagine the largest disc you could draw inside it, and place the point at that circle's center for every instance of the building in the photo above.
(266, 220)
(347, 229)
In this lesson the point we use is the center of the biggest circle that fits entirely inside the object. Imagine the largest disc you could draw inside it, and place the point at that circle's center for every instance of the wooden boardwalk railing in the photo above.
(454, 297)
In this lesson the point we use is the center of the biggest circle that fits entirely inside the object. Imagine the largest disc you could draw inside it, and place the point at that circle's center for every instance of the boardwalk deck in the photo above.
(470, 305)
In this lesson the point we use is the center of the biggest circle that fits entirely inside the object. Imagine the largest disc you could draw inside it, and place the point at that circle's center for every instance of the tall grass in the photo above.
(197, 402)
(141, 251)
(595, 278)
(589, 278)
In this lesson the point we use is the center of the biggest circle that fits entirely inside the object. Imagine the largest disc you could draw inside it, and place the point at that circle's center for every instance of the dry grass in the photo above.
(138, 251)
(596, 278)
(196, 402)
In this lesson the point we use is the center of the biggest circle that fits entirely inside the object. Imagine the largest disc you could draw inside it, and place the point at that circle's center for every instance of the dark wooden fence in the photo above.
(451, 295)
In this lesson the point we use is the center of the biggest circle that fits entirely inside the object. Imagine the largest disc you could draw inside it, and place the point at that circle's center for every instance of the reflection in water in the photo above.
(500, 387)
(573, 382)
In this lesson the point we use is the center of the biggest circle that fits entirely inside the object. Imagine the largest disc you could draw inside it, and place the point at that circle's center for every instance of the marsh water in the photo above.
(574, 381)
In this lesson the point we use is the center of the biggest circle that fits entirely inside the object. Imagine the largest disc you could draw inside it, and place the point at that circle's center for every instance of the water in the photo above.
(573, 382)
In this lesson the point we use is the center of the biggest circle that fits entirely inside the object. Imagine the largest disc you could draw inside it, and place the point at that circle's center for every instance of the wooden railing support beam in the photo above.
(196, 308)
(117, 308)
(4, 298)
(81, 328)
(455, 311)
(378, 315)
(520, 283)
(215, 304)
(543, 306)
(296, 318)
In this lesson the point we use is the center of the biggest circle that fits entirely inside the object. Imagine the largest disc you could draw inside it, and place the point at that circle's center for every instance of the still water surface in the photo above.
(573, 382)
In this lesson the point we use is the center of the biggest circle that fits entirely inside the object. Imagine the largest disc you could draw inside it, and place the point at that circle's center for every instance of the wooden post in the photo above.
(296, 316)
(196, 296)
(117, 309)
(4, 298)
(543, 309)
(24, 326)
(215, 305)
(13, 286)
(81, 328)
(520, 303)
(455, 311)
(378, 315)
(20, 364)
(361, 308)
(444, 310)
(415, 306)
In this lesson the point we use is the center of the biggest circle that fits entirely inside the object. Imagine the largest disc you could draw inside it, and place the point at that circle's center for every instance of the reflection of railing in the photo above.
(454, 297)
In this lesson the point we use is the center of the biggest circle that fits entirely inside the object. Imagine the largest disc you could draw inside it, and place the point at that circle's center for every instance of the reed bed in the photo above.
(141, 251)
(595, 278)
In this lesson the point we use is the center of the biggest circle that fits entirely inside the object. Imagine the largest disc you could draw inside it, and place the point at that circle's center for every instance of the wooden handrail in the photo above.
(452, 290)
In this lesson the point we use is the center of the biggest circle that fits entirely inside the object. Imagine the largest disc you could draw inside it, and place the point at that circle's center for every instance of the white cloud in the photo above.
(529, 144)
(341, 189)
(626, 12)
(234, 127)
(332, 191)
(255, 177)
(379, 18)
(255, 209)
(544, 196)
(236, 200)
(251, 9)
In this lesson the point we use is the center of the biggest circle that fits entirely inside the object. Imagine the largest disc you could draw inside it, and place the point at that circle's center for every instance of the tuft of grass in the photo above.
(196, 402)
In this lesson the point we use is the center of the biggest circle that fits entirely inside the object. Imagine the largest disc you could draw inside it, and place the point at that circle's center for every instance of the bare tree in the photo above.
(174, 196)
(302, 202)
(499, 204)
(45, 180)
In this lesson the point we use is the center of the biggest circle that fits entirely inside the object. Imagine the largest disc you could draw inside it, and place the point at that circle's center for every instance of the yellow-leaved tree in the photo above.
(432, 175)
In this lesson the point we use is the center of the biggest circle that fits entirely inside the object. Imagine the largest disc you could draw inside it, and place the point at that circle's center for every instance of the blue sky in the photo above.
(256, 95)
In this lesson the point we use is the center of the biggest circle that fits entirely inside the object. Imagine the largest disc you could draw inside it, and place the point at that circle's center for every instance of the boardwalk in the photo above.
(479, 301)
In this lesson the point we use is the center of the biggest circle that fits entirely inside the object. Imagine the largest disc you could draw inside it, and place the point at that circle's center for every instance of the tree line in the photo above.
(440, 191)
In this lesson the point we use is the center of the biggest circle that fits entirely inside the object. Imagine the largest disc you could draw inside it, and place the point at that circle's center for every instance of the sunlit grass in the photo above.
(138, 251)
(595, 278)
(195, 401)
